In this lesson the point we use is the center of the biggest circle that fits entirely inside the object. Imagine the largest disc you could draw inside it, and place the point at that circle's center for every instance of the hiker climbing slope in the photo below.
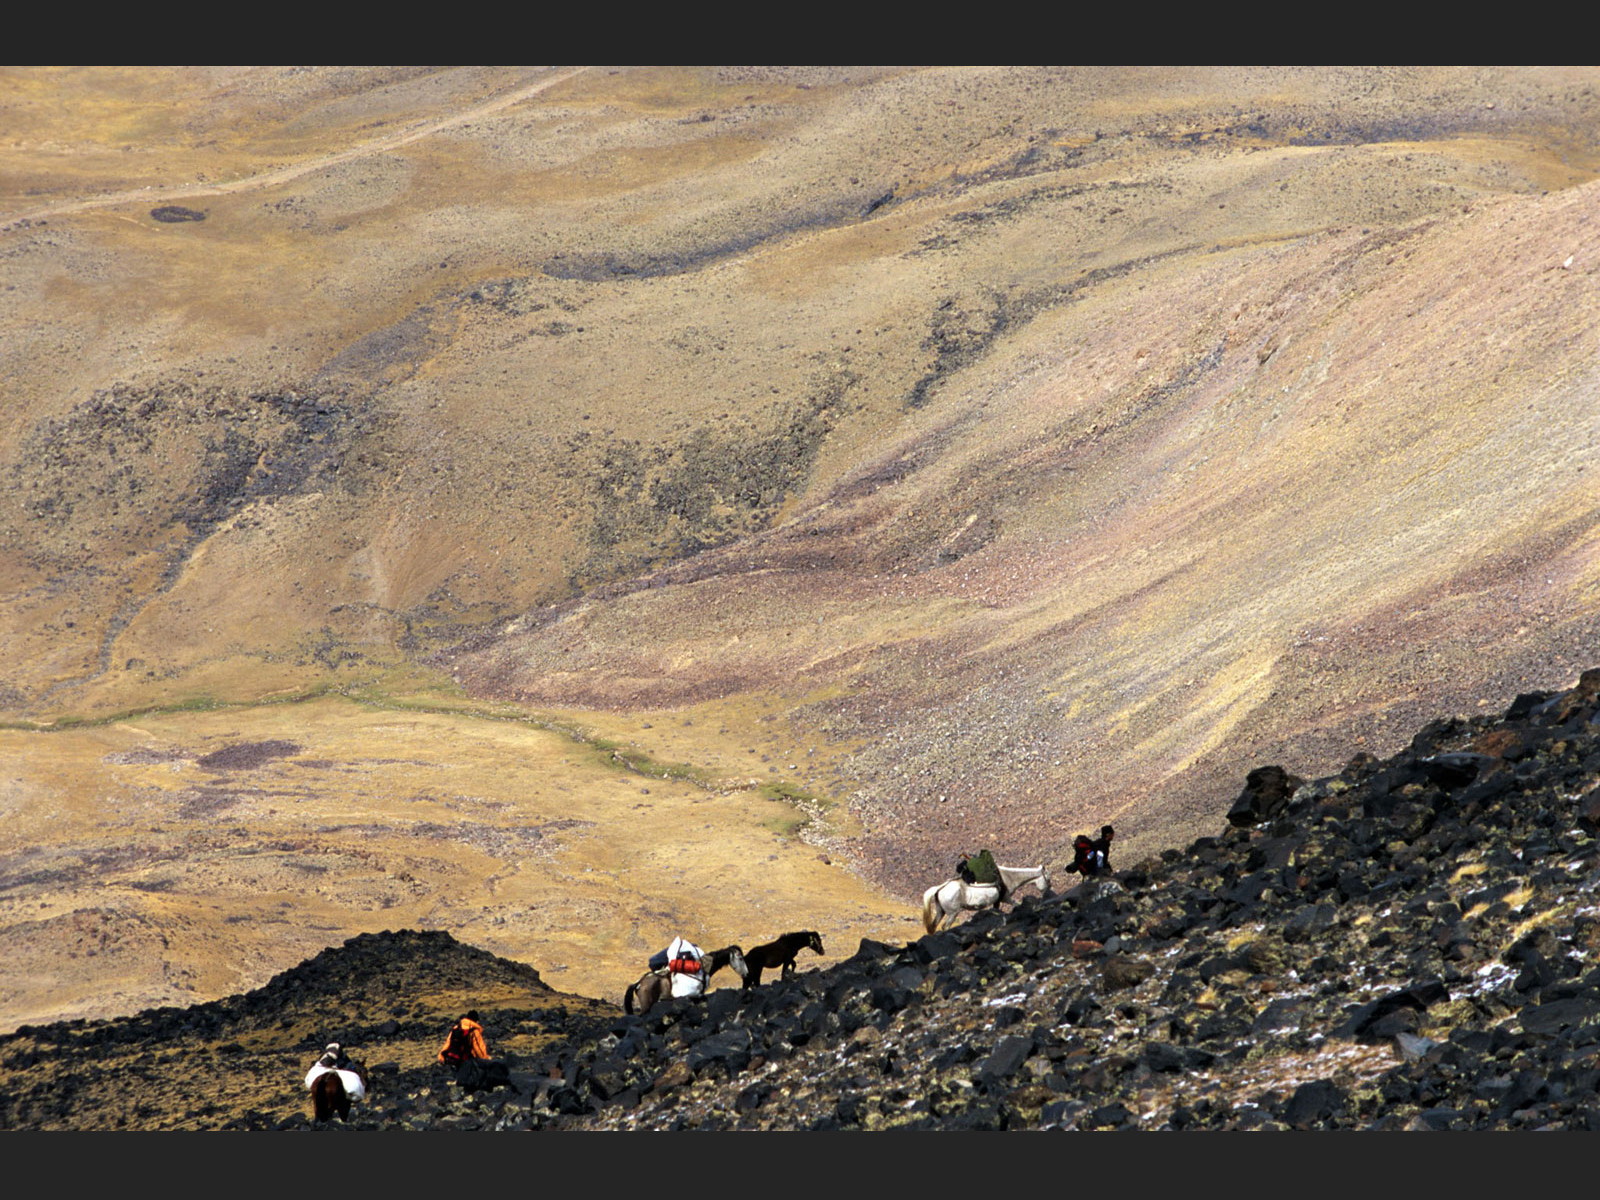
(467, 1054)
(464, 1041)
(1087, 858)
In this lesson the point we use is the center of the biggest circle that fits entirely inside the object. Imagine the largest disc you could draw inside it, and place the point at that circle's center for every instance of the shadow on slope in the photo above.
(1408, 944)
(238, 1063)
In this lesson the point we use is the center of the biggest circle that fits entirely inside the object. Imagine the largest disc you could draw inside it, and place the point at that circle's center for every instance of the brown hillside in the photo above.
(976, 455)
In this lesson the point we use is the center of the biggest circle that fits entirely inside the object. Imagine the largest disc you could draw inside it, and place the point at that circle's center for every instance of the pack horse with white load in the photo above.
(334, 1081)
(682, 969)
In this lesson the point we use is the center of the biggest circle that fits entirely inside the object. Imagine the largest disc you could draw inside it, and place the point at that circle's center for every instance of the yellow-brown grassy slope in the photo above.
(982, 454)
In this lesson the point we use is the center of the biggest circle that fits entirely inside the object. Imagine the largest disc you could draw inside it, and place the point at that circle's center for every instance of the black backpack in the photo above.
(480, 1074)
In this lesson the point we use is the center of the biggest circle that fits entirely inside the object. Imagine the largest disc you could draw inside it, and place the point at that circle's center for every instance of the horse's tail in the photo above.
(326, 1093)
(627, 998)
(930, 908)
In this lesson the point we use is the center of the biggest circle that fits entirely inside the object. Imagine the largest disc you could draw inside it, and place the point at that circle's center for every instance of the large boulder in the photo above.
(1120, 972)
(1266, 794)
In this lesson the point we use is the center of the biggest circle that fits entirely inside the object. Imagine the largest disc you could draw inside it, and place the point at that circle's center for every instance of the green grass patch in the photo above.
(787, 793)
(62, 723)
(788, 825)
(435, 696)
(803, 808)
(628, 758)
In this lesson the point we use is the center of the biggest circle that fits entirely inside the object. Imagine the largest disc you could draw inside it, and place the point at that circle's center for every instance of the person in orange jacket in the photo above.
(465, 1041)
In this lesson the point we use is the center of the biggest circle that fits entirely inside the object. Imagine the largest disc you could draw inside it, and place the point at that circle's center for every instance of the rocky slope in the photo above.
(237, 1063)
(1408, 944)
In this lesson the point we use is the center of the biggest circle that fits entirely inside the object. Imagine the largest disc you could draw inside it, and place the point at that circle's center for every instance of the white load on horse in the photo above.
(687, 964)
(333, 1059)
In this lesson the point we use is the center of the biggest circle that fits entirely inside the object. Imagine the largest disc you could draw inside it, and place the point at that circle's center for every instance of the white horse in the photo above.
(945, 901)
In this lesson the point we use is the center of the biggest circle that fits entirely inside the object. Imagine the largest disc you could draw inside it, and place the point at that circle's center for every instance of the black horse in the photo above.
(780, 953)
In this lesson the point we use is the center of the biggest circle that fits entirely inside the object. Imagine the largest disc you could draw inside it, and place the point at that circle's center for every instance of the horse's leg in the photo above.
(788, 969)
(627, 997)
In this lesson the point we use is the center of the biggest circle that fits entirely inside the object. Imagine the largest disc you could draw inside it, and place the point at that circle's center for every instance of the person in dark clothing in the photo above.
(1102, 845)
(1087, 857)
(1082, 855)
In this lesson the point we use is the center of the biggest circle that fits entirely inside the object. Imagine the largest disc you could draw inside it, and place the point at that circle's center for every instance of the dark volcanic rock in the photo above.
(175, 214)
(1121, 973)
(1266, 794)
(1406, 945)
(1313, 1103)
(138, 1072)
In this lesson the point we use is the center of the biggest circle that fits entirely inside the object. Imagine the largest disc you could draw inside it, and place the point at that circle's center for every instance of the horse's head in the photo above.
(736, 961)
(814, 940)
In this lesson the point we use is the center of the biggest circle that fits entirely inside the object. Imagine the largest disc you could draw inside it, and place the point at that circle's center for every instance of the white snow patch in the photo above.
(1013, 998)
(1491, 976)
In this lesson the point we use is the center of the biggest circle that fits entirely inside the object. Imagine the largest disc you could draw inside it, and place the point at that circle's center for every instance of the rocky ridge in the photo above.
(236, 1063)
(1408, 944)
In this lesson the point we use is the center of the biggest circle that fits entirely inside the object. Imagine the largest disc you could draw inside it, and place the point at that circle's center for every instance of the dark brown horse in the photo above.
(780, 953)
(328, 1094)
(656, 986)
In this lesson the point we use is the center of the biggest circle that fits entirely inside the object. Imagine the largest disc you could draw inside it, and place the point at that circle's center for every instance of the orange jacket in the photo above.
(472, 1035)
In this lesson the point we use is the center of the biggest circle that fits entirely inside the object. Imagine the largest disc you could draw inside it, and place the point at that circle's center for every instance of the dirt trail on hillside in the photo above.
(281, 175)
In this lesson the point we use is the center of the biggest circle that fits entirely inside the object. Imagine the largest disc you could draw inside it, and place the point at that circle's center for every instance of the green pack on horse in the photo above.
(978, 868)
